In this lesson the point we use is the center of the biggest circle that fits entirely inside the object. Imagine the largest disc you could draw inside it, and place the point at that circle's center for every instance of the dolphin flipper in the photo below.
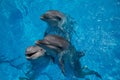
(87, 71)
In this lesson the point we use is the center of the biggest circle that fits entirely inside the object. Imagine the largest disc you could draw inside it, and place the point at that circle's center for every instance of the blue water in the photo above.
(97, 25)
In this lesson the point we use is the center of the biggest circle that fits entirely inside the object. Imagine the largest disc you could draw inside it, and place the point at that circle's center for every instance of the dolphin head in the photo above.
(53, 18)
(34, 52)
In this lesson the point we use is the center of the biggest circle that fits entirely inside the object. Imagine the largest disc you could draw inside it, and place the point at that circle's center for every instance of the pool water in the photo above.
(97, 25)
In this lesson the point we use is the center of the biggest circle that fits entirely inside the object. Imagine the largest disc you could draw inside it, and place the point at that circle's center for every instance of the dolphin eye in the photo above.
(58, 18)
(41, 49)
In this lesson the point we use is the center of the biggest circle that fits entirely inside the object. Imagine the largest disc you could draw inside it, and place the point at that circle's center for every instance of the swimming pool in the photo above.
(97, 25)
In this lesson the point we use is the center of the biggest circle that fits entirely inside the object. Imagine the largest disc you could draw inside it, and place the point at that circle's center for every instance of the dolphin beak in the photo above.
(27, 57)
(42, 17)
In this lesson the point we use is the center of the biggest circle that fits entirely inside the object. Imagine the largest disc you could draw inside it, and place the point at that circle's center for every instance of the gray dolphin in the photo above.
(67, 56)
(59, 24)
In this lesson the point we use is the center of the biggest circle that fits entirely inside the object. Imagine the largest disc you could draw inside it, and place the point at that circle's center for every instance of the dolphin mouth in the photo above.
(44, 17)
(30, 54)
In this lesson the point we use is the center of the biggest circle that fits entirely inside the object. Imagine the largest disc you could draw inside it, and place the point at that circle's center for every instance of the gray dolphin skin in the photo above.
(67, 57)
